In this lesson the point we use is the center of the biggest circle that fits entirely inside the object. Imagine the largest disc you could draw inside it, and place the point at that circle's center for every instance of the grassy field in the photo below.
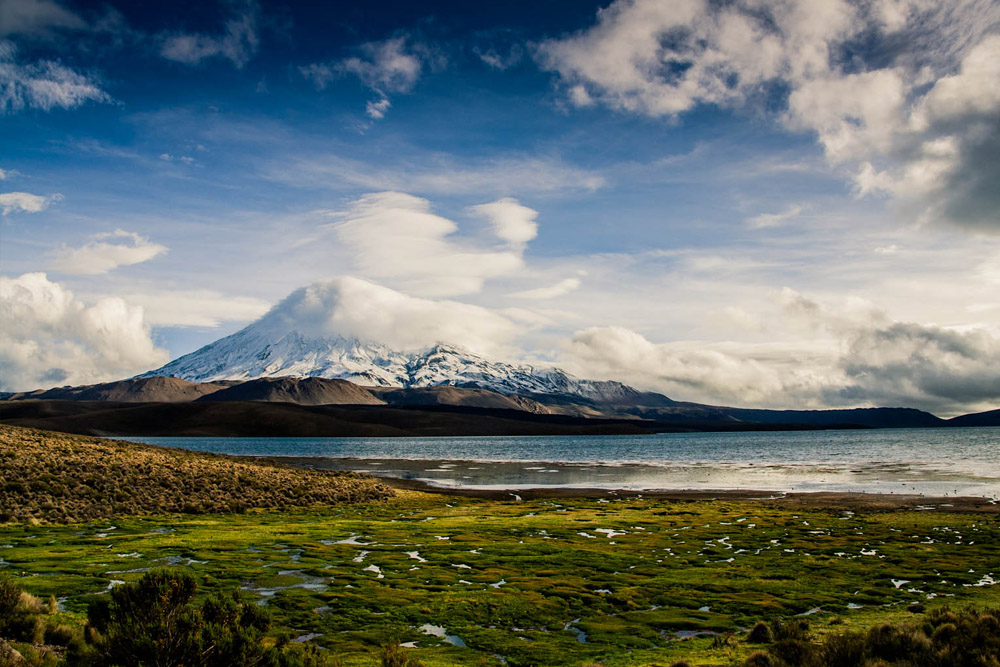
(546, 582)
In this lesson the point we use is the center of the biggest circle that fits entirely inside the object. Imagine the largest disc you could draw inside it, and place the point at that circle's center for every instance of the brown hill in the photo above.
(302, 391)
(59, 478)
(135, 390)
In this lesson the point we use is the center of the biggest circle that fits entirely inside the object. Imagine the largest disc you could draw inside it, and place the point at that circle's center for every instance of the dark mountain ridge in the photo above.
(278, 406)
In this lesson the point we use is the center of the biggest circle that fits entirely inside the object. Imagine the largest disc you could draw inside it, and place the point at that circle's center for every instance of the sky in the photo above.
(785, 203)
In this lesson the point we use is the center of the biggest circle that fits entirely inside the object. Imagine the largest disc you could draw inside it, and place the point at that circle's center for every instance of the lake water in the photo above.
(936, 462)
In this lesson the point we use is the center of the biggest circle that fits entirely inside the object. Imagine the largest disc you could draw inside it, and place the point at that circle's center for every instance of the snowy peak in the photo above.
(294, 340)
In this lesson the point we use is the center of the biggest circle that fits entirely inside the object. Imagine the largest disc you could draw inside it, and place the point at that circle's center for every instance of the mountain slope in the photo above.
(989, 418)
(301, 391)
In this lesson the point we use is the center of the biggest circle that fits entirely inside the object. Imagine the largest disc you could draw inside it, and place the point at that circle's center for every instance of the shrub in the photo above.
(759, 659)
(393, 655)
(794, 652)
(154, 622)
(19, 613)
(760, 633)
(846, 650)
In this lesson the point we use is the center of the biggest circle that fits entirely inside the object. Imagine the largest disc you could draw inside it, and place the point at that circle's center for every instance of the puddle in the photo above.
(581, 636)
(438, 631)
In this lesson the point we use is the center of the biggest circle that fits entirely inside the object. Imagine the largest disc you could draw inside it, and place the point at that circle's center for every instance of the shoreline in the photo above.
(819, 499)
(847, 500)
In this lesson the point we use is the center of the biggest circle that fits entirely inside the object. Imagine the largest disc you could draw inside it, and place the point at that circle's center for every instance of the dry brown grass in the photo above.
(60, 478)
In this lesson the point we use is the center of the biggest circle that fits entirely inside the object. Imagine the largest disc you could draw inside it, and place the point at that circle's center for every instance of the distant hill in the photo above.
(991, 418)
(627, 405)
(260, 419)
(135, 390)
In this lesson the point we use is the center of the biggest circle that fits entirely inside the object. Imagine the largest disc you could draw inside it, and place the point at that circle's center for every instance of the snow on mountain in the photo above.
(276, 346)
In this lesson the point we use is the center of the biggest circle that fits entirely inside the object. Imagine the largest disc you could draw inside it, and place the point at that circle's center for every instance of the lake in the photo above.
(934, 462)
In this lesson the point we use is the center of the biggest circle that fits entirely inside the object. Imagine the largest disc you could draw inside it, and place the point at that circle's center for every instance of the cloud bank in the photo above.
(902, 95)
(48, 337)
(857, 356)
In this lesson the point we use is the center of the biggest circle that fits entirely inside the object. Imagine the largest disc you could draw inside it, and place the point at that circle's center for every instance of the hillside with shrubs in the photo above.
(57, 478)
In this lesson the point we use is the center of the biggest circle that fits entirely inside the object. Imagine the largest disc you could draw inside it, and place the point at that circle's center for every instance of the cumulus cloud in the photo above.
(902, 95)
(511, 221)
(730, 374)
(387, 67)
(349, 306)
(395, 236)
(50, 338)
(7, 173)
(23, 202)
(237, 43)
(856, 357)
(44, 85)
(105, 252)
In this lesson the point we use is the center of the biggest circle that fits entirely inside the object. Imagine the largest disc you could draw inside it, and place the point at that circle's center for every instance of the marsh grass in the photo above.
(530, 585)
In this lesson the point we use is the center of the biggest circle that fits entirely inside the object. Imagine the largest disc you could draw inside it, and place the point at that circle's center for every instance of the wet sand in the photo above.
(841, 500)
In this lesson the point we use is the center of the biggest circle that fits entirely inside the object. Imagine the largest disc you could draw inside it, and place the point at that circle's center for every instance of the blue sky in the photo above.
(772, 204)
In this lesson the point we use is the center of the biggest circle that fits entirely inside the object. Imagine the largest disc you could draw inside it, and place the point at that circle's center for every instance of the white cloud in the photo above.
(349, 306)
(551, 291)
(765, 220)
(7, 173)
(105, 252)
(36, 17)
(395, 236)
(44, 85)
(387, 67)
(378, 108)
(913, 113)
(856, 356)
(196, 308)
(23, 202)
(238, 43)
(49, 338)
(511, 221)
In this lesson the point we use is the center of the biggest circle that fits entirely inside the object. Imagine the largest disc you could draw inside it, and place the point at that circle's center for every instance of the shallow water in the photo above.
(936, 462)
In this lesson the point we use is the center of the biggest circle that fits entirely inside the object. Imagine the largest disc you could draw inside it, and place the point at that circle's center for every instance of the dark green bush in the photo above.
(155, 622)
(760, 633)
(19, 613)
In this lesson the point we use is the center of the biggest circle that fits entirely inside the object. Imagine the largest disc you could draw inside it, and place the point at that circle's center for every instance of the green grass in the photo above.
(632, 593)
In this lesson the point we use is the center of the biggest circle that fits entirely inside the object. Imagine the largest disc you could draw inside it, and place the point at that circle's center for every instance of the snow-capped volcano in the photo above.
(295, 339)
